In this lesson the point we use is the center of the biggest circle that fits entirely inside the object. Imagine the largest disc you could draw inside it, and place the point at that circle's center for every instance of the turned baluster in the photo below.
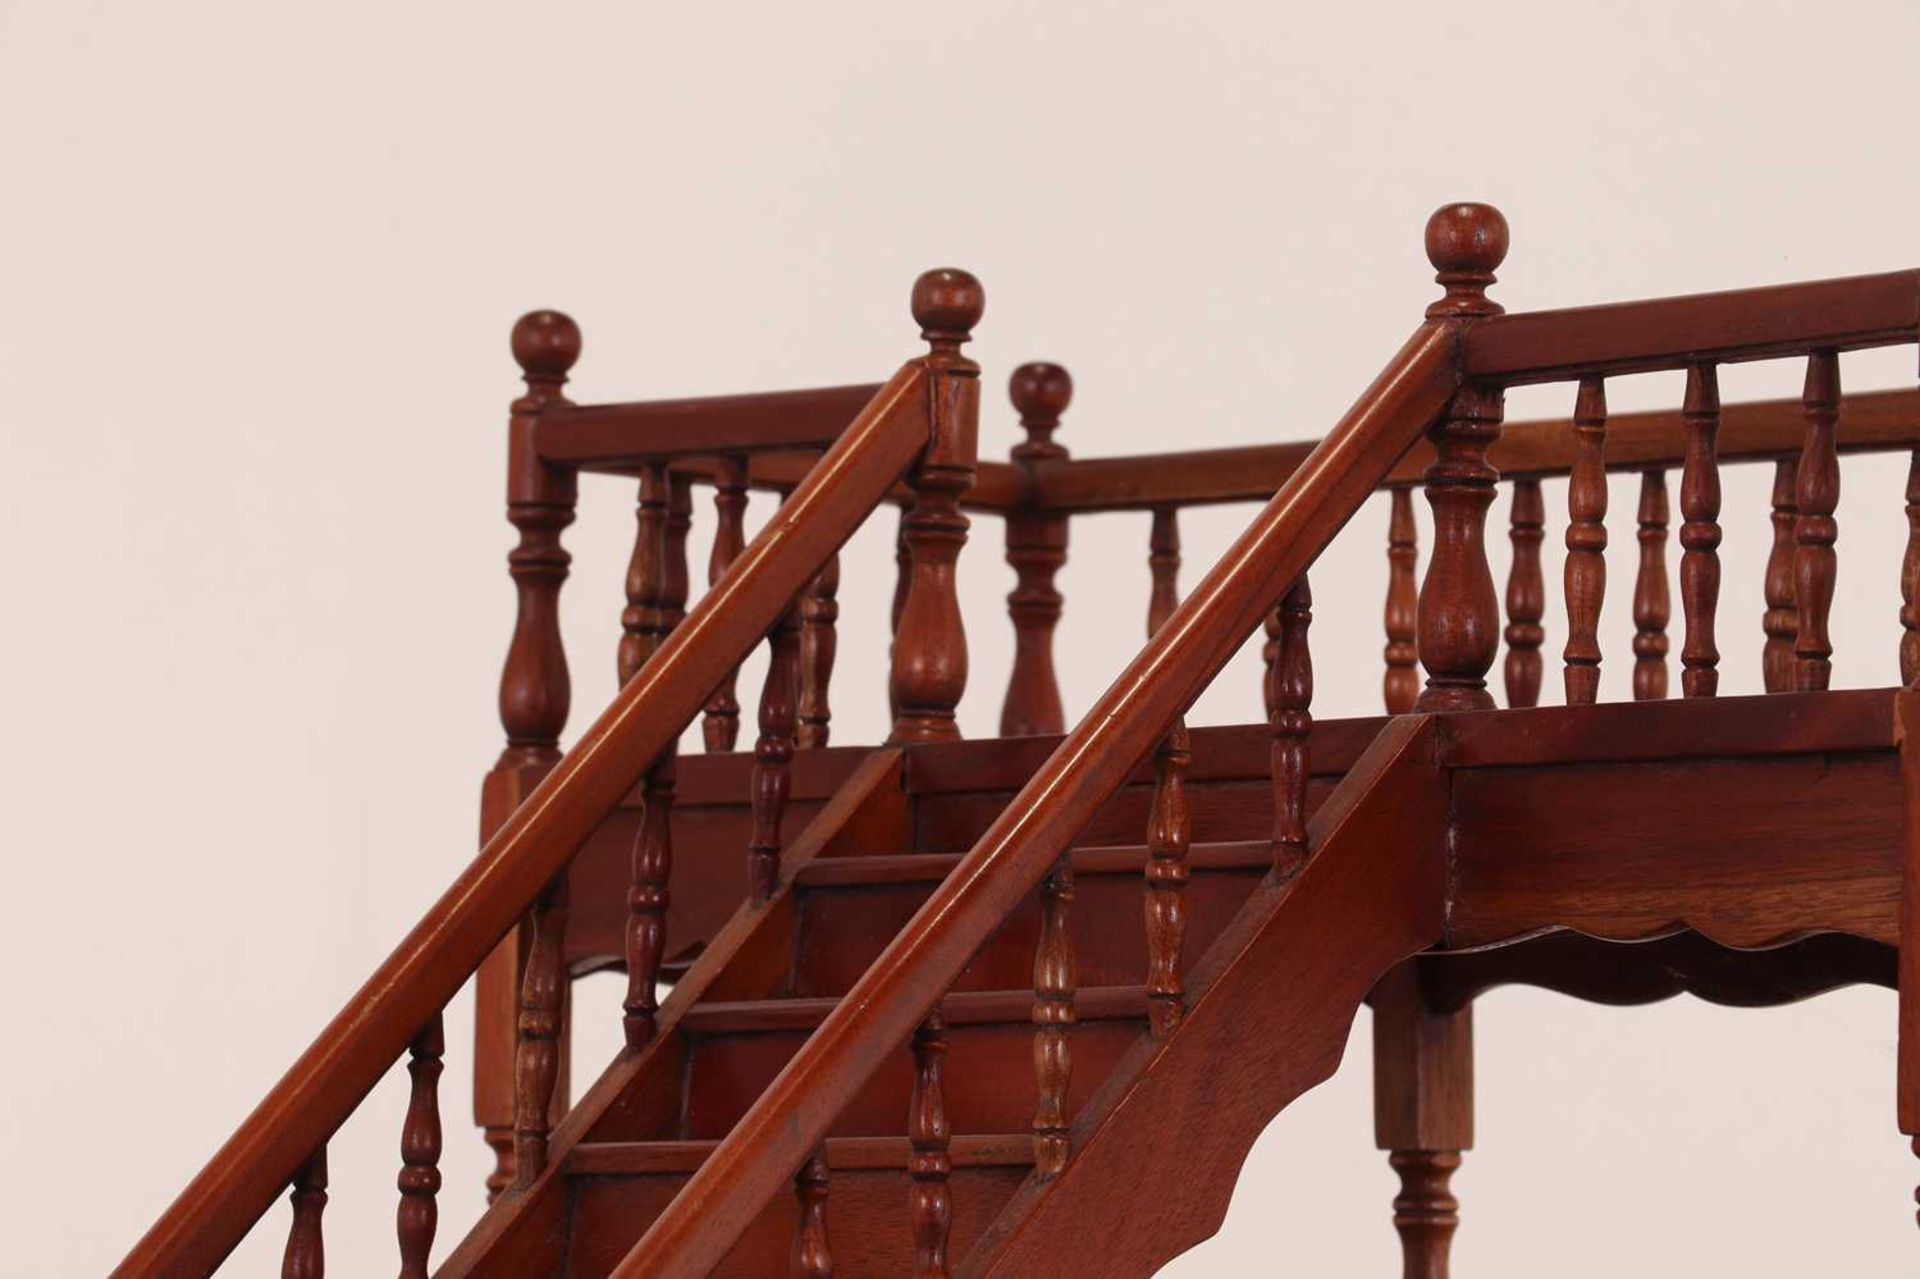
(1526, 595)
(1652, 606)
(930, 644)
(1425, 1211)
(419, 1211)
(1586, 571)
(1169, 836)
(819, 617)
(812, 1255)
(1036, 551)
(1700, 531)
(1817, 495)
(306, 1254)
(1401, 686)
(930, 1201)
(1291, 723)
(1781, 621)
(1055, 978)
(657, 586)
(773, 754)
(535, 691)
(1910, 580)
(1459, 610)
(1163, 566)
(720, 727)
(542, 1015)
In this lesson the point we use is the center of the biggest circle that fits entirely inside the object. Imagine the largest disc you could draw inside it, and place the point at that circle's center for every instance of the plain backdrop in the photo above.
(260, 265)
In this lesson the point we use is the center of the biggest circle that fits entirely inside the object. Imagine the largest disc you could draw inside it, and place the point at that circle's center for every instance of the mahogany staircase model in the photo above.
(969, 1001)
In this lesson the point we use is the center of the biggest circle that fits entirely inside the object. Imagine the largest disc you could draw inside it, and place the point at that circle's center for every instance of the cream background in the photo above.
(260, 266)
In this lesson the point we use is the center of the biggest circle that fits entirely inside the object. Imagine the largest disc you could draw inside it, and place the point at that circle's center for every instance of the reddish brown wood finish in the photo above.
(930, 1202)
(930, 643)
(812, 1252)
(1055, 981)
(1652, 604)
(819, 618)
(419, 1180)
(601, 434)
(773, 754)
(1422, 1111)
(1816, 495)
(1163, 567)
(1036, 551)
(720, 726)
(1526, 596)
(536, 1066)
(1910, 579)
(306, 1253)
(1292, 724)
(1586, 569)
(1459, 622)
(1781, 621)
(1169, 841)
(1425, 1212)
(1700, 532)
(1401, 686)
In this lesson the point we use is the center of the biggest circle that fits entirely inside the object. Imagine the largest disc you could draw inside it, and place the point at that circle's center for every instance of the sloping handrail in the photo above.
(242, 1180)
(792, 1116)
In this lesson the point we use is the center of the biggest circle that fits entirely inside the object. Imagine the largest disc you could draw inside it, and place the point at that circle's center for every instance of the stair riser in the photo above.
(867, 1221)
(1221, 810)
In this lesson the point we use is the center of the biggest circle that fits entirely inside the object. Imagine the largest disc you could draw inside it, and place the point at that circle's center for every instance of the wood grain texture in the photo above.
(306, 1252)
(1169, 844)
(812, 1250)
(1056, 980)
(1036, 551)
(930, 1199)
(1459, 609)
(1401, 685)
(419, 1213)
(1291, 721)
(1160, 1145)
(773, 754)
(536, 1063)
(1781, 622)
(1586, 567)
(819, 644)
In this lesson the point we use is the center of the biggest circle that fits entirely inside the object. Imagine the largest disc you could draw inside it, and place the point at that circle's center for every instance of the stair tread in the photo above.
(1103, 859)
(635, 1158)
(961, 1008)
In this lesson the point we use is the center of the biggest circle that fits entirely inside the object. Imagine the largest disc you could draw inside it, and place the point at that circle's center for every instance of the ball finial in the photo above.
(1040, 391)
(947, 303)
(545, 345)
(1466, 244)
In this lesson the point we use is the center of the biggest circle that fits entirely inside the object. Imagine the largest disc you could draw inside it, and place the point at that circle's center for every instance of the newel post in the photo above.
(1036, 551)
(1459, 613)
(930, 643)
(535, 692)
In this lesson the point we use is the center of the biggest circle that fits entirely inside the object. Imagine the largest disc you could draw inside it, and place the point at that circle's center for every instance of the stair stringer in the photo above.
(1159, 1147)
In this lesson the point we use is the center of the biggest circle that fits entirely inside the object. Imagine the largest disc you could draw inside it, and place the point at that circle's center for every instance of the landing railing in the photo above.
(1447, 383)
(916, 429)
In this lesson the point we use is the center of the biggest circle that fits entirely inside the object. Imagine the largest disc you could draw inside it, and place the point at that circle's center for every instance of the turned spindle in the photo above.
(536, 1066)
(419, 1181)
(1169, 837)
(819, 640)
(1652, 605)
(657, 592)
(1163, 567)
(1586, 569)
(1781, 622)
(1700, 531)
(1425, 1212)
(1459, 610)
(773, 754)
(1526, 595)
(1910, 580)
(535, 691)
(1816, 496)
(929, 1166)
(1291, 726)
(720, 726)
(812, 1254)
(1401, 686)
(1036, 551)
(1055, 979)
(306, 1254)
(930, 643)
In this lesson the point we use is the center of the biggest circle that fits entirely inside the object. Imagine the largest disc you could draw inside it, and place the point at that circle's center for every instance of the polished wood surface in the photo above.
(1586, 571)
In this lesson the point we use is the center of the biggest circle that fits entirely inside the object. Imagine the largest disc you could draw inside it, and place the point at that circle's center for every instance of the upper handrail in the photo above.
(209, 1218)
(1044, 819)
(590, 435)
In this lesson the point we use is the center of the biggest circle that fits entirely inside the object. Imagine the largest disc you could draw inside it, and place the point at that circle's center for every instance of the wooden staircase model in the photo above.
(974, 1002)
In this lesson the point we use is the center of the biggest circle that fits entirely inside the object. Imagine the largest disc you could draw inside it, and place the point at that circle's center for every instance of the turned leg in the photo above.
(1422, 1112)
